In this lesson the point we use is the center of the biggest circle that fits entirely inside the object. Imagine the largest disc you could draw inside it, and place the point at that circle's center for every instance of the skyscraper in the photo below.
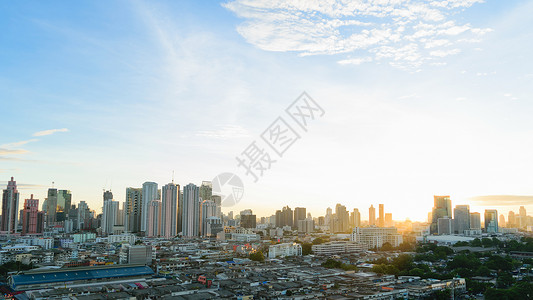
(248, 219)
(206, 190)
(442, 208)
(208, 209)
(491, 220)
(218, 202)
(381, 215)
(371, 215)
(30, 216)
(475, 221)
(299, 214)
(132, 215)
(51, 206)
(461, 220)
(84, 216)
(109, 216)
(10, 207)
(191, 211)
(154, 219)
(356, 218)
(64, 201)
(388, 220)
(169, 210)
(511, 220)
(149, 193)
(108, 195)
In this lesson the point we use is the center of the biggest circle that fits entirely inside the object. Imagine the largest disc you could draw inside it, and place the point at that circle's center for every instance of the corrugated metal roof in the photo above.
(76, 275)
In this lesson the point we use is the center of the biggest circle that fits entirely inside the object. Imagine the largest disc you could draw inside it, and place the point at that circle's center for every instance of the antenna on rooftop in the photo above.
(172, 176)
(53, 184)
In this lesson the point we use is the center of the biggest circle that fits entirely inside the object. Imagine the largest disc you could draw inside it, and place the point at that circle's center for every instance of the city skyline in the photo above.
(439, 108)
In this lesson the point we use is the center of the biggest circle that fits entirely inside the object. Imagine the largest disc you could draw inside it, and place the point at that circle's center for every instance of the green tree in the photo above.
(257, 256)
(307, 248)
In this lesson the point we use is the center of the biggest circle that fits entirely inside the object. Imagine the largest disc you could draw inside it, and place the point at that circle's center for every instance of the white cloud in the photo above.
(225, 132)
(12, 151)
(355, 61)
(398, 31)
(49, 131)
(17, 144)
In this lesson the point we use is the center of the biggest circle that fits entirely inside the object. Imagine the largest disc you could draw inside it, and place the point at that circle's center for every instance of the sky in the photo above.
(420, 98)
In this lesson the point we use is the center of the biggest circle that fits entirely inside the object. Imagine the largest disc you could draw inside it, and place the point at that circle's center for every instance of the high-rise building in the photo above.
(218, 202)
(154, 218)
(299, 214)
(205, 191)
(30, 215)
(191, 211)
(149, 193)
(306, 226)
(208, 209)
(475, 220)
(84, 216)
(461, 220)
(356, 218)
(110, 213)
(10, 207)
(381, 215)
(491, 220)
(522, 212)
(108, 195)
(444, 226)
(371, 216)
(64, 200)
(169, 210)
(51, 206)
(442, 208)
(248, 221)
(133, 213)
(511, 220)
(501, 222)
(388, 220)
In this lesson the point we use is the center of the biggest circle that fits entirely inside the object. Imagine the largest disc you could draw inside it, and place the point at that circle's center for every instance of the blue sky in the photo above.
(420, 98)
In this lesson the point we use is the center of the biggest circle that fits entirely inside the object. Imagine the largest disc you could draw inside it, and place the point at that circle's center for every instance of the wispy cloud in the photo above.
(17, 144)
(226, 132)
(49, 131)
(403, 32)
(4, 151)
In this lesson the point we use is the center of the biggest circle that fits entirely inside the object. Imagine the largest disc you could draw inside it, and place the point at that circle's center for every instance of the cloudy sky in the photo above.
(420, 98)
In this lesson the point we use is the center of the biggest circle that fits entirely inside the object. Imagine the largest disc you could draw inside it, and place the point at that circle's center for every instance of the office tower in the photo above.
(133, 214)
(169, 210)
(208, 209)
(149, 193)
(10, 207)
(120, 216)
(501, 222)
(29, 216)
(154, 219)
(381, 215)
(109, 216)
(218, 202)
(475, 220)
(340, 221)
(371, 216)
(84, 216)
(442, 208)
(108, 195)
(51, 206)
(388, 220)
(444, 226)
(491, 220)
(461, 220)
(299, 214)
(191, 211)
(248, 221)
(206, 190)
(356, 218)
(511, 220)
(328, 216)
(230, 215)
(522, 212)
(64, 200)
(40, 221)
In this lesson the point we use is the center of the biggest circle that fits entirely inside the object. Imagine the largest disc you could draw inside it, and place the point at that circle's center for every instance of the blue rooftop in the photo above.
(78, 274)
